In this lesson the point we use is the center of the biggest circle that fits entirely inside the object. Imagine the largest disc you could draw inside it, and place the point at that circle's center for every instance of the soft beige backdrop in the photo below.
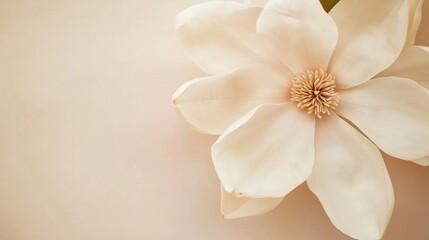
(90, 147)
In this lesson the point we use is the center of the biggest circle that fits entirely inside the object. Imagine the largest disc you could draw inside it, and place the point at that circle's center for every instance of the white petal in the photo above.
(256, 2)
(350, 179)
(415, 17)
(413, 63)
(237, 207)
(220, 36)
(304, 34)
(393, 113)
(371, 37)
(423, 161)
(267, 153)
(213, 103)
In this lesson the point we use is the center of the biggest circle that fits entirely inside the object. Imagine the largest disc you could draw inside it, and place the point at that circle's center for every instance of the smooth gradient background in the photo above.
(91, 149)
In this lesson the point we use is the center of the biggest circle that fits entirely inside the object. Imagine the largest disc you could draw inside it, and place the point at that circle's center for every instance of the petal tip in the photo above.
(228, 216)
(183, 17)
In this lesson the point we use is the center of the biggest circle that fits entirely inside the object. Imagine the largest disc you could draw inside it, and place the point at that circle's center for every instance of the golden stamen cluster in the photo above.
(315, 91)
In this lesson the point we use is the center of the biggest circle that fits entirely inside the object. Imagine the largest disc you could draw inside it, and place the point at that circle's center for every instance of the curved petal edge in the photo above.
(350, 180)
(266, 153)
(233, 206)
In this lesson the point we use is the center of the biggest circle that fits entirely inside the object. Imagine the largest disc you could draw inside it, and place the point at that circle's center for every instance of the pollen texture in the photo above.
(315, 92)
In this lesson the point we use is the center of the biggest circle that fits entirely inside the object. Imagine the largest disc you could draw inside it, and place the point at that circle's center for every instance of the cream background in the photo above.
(90, 147)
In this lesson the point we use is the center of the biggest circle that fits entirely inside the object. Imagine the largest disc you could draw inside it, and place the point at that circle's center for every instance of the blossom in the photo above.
(297, 94)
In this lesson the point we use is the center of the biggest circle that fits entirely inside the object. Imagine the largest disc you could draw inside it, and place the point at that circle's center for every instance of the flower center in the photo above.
(315, 91)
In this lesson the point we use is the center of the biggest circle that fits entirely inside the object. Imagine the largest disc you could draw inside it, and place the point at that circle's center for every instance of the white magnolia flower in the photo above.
(287, 81)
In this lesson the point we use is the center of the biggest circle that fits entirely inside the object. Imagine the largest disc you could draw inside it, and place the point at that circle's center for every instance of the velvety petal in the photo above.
(220, 36)
(213, 103)
(413, 63)
(371, 37)
(267, 153)
(423, 161)
(350, 179)
(237, 207)
(393, 113)
(304, 34)
(415, 17)
(256, 2)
